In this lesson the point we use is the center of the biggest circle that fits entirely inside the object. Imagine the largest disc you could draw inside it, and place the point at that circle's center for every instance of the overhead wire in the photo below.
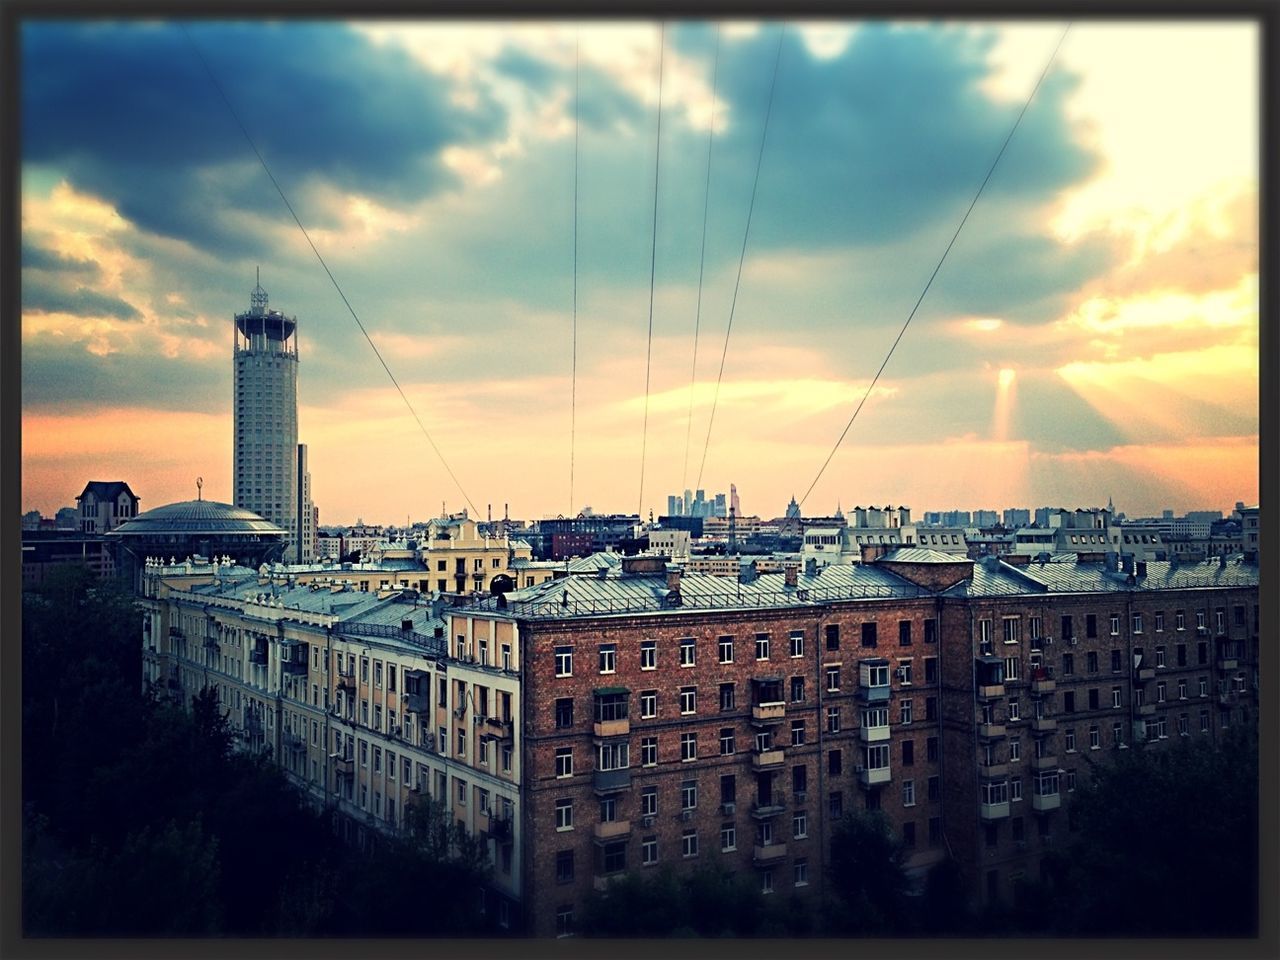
(573, 390)
(702, 260)
(746, 233)
(653, 262)
(289, 206)
(941, 260)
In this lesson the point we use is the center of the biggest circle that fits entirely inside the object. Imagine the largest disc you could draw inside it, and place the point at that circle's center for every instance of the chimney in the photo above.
(1126, 562)
(811, 567)
(406, 624)
(1142, 568)
(674, 572)
(790, 574)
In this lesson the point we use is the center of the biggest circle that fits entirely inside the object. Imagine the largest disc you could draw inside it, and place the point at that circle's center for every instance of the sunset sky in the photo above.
(1093, 333)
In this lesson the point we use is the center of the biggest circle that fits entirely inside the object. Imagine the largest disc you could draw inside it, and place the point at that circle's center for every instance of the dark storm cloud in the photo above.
(128, 113)
(43, 296)
(39, 258)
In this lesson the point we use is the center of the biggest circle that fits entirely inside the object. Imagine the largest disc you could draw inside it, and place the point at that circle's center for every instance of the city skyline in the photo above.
(1092, 334)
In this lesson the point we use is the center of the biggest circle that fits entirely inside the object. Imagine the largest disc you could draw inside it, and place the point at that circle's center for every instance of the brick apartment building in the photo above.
(630, 715)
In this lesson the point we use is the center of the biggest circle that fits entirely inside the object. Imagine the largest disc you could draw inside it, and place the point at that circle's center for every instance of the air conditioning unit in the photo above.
(647, 821)
(728, 807)
(1073, 640)
(686, 815)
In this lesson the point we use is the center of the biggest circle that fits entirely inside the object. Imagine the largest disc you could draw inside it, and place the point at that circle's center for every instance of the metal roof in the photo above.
(922, 555)
(196, 517)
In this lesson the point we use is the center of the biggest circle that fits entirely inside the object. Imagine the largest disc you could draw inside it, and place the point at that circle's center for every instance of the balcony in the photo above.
(1042, 682)
(874, 734)
(991, 731)
(343, 766)
(500, 827)
(994, 771)
(293, 742)
(611, 781)
(498, 728)
(767, 759)
(252, 726)
(347, 682)
(771, 807)
(176, 634)
(1047, 762)
(993, 811)
(611, 830)
(611, 728)
(1043, 804)
(768, 712)
(211, 642)
(1143, 674)
(1228, 663)
(1145, 709)
(990, 691)
(295, 668)
(874, 776)
(258, 655)
(769, 852)
(874, 694)
(413, 702)
(1043, 725)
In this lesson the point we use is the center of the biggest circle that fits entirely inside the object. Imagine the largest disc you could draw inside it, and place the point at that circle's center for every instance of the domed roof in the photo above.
(198, 517)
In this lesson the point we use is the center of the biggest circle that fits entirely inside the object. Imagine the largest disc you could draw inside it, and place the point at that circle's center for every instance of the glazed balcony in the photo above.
(768, 759)
(344, 766)
(874, 776)
(874, 694)
(773, 806)
(1042, 682)
(1043, 804)
(993, 811)
(1228, 663)
(611, 781)
(769, 852)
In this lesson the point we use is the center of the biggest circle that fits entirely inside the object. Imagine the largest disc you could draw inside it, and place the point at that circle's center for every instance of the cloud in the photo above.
(130, 115)
(45, 297)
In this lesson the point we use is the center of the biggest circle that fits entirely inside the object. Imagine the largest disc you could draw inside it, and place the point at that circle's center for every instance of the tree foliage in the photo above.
(868, 888)
(142, 819)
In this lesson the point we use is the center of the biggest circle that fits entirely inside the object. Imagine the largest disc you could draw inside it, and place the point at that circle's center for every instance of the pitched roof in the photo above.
(106, 489)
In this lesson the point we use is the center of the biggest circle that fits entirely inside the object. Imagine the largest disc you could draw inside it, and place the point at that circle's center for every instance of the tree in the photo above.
(1153, 814)
(868, 884)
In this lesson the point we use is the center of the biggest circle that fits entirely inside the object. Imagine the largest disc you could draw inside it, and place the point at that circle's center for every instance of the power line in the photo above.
(941, 260)
(573, 391)
(653, 262)
(746, 233)
(702, 260)
(332, 279)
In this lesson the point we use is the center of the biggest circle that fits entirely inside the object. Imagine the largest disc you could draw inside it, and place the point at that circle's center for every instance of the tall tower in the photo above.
(265, 458)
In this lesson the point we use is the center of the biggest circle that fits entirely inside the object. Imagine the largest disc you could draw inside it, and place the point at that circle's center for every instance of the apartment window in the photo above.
(726, 741)
(799, 825)
(564, 661)
(762, 646)
(1204, 721)
(930, 669)
(689, 795)
(1116, 698)
(904, 633)
(649, 802)
(608, 657)
(648, 751)
(1183, 729)
(726, 649)
(377, 673)
(1182, 654)
(934, 789)
(1204, 686)
(1137, 622)
(1117, 734)
(1160, 657)
(462, 792)
(564, 762)
(1091, 625)
(728, 837)
(726, 697)
(614, 755)
(800, 871)
(833, 679)
(364, 669)
(798, 732)
(1116, 663)
(931, 749)
(648, 704)
(564, 866)
(908, 753)
(797, 689)
(462, 743)
(869, 634)
(1011, 668)
(1068, 664)
(609, 810)
(688, 700)
(564, 815)
(1068, 631)
(984, 637)
(649, 851)
(1202, 653)
(904, 710)
(1095, 737)
(1182, 689)
(1159, 621)
(688, 652)
(1091, 661)
(1093, 698)
(1015, 749)
(832, 631)
(688, 746)
(689, 844)
(908, 793)
(1160, 691)
(1115, 624)
(1013, 709)
(1010, 629)
(835, 804)
(1069, 739)
(931, 631)
(648, 654)
(1069, 702)
(564, 712)
(904, 672)
(564, 921)
(833, 719)
(1033, 630)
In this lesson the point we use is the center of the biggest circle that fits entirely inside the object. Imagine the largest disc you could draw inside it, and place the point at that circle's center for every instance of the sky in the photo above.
(1092, 333)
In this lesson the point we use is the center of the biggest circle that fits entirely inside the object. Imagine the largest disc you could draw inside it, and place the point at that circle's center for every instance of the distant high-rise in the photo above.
(266, 455)
(734, 505)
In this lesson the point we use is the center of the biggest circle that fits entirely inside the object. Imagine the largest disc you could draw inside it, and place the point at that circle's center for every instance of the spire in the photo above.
(258, 299)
